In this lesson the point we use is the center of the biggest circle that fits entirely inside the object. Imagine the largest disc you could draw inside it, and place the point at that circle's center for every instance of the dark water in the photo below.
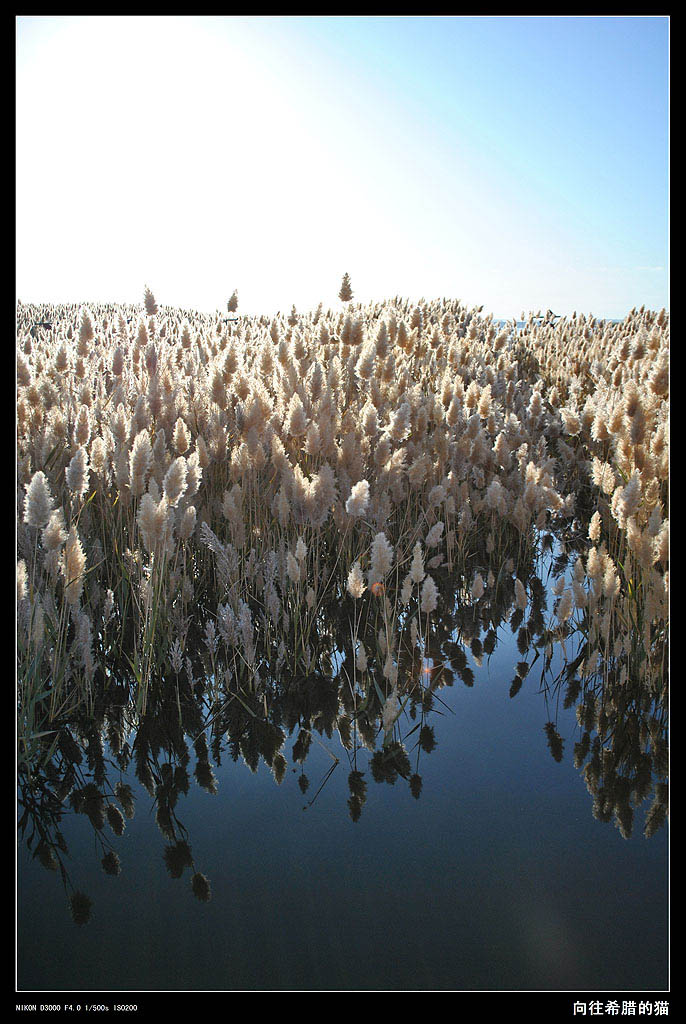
(496, 877)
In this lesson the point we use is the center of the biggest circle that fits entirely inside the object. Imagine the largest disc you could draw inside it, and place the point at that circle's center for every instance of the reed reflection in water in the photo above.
(395, 830)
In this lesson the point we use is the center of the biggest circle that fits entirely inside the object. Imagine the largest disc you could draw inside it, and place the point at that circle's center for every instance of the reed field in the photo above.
(328, 509)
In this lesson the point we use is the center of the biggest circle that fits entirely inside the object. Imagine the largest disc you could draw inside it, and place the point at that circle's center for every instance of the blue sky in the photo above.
(518, 163)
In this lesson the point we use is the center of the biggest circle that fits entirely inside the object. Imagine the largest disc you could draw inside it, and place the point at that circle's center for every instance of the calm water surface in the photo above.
(496, 876)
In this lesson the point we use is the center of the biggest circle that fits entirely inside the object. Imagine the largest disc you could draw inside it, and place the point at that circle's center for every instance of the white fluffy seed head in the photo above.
(358, 502)
(187, 524)
(174, 484)
(381, 558)
(73, 565)
(22, 581)
(356, 585)
(54, 533)
(433, 537)
(429, 596)
(38, 503)
(565, 606)
(417, 567)
(140, 461)
(594, 527)
(293, 568)
(77, 473)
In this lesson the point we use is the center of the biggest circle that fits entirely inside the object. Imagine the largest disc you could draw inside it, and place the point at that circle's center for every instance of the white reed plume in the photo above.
(84, 642)
(153, 520)
(390, 669)
(356, 585)
(181, 437)
(228, 625)
(381, 559)
(99, 461)
(187, 524)
(478, 587)
(572, 423)
(369, 419)
(86, 333)
(293, 568)
(174, 484)
(399, 424)
(364, 367)
(194, 467)
(282, 507)
(658, 381)
(140, 461)
(496, 497)
(151, 307)
(358, 502)
(295, 424)
(151, 358)
(390, 711)
(246, 630)
(54, 532)
(418, 470)
(611, 581)
(535, 405)
(603, 475)
(22, 581)
(485, 402)
(73, 566)
(118, 361)
(429, 595)
(580, 595)
(38, 624)
(626, 500)
(313, 440)
(417, 572)
(345, 293)
(435, 534)
(594, 564)
(594, 527)
(62, 358)
(77, 473)
(120, 425)
(39, 502)
(661, 544)
(436, 496)
(322, 495)
(501, 450)
(565, 606)
(82, 429)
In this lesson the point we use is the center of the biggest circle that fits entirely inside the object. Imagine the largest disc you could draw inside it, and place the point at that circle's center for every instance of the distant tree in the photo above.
(346, 292)
(232, 304)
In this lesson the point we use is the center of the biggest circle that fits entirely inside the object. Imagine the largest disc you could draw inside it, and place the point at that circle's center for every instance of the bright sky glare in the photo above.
(520, 163)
